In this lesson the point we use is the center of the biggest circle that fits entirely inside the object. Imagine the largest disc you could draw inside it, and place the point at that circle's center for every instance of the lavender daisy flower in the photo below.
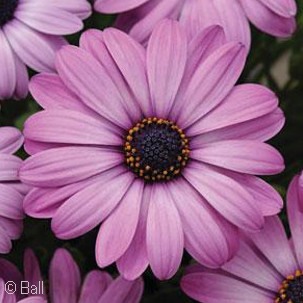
(275, 17)
(12, 192)
(267, 268)
(65, 283)
(30, 34)
(158, 144)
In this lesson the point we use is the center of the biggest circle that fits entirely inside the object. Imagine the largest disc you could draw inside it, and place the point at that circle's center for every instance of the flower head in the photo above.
(65, 284)
(30, 34)
(159, 145)
(275, 17)
(12, 192)
(267, 268)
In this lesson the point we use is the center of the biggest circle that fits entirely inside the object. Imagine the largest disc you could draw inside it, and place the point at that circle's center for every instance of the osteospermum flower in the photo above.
(267, 268)
(64, 283)
(157, 144)
(30, 34)
(12, 192)
(275, 17)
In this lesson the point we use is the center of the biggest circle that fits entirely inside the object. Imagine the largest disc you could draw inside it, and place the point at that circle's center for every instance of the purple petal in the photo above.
(134, 261)
(58, 97)
(250, 157)
(295, 216)
(56, 167)
(118, 230)
(70, 127)
(132, 66)
(64, 278)
(121, 290)
(35, 49)
(227, 196)
(94, 286)
(8, 77)
(117, 6)
(212, 287)
(108, 48)
(164, 227)
(11, 203)
(267, 20)
(48, 18)
(32, 272)
(166, 61)
(90, 206)
(211, 82)
(254, 268)
(9, 167)
(259, 129)
(274, 245)
(245, 102)
(11, 140)
(209, 239)
(97, 90)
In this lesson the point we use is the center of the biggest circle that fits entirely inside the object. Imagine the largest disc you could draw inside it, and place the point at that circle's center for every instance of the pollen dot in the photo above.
(156, 149)
(291, 290)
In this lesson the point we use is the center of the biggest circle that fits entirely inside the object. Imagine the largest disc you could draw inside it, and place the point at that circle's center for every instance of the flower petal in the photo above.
(11, 140)
(254, 268)
(121, 290)
(32, 272)
(117, 6)
(166, 61)
(227, 196)
(10, 203)
(118, 230)
(267, 20)
(90, 206)
(250, 157)
(273, 243)
(64, 272)
(207, 239)
(47, 18)
(70, 127)
(134, 261)
(211, 82)
(212, 287)
(35, 49)
(108, 49)
(132, 66)
(97, 89)
(197, 15)
(9, 167)
(245, 102)
(164, 227)
(56, 167)
(8, 77)
(58, 97)
(94, 286)
(295, 216)
(259, 129)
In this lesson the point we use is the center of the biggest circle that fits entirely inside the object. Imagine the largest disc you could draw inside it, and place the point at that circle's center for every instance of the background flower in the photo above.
(86, 171)
(267, 268)
(30, 34)
(65, 282)
(11, 190)
(275, 17)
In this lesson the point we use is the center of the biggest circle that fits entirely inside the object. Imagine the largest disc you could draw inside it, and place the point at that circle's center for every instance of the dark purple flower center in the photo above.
(291, 290)
(7, 9)
(156, 149)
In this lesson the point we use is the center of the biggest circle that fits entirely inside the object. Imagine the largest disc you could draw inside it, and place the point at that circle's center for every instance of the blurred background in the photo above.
(275, 63)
